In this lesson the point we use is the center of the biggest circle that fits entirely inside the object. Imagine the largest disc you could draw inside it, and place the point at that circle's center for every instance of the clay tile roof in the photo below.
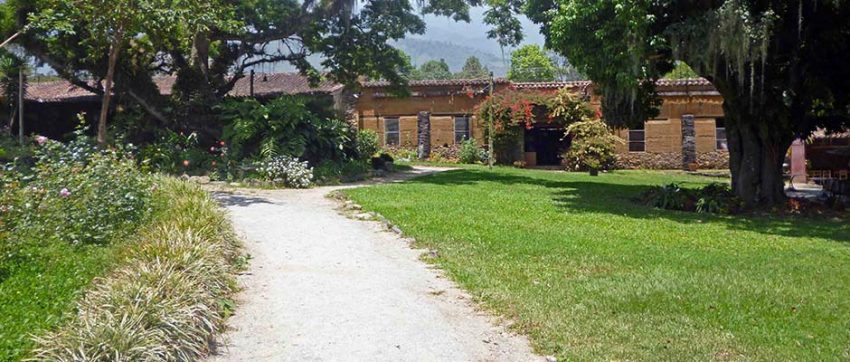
(280, 83)
(682, 82)
(438, 82)
(552, 85)
(264, 85)
(56, 91)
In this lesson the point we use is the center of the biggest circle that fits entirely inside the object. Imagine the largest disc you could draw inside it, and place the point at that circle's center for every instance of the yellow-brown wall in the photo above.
(663, 135)
(373, 106)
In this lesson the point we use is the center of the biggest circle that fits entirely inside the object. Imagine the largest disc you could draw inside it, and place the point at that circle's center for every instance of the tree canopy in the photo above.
(209, 45)
(779, 65)
(473, 69)
(433, 69)
(530, 63)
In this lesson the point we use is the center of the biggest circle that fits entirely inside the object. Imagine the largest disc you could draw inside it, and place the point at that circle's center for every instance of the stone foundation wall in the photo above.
(716, 160)
(670, 160)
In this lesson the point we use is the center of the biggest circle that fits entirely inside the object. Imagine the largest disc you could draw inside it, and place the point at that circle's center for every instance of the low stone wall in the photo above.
(717, 160)
(670, 160)
(649, 160)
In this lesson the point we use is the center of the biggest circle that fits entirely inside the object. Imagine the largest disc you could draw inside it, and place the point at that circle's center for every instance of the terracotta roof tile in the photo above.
(264, 85)
(551, 85)
(439, 82)
(292, 83)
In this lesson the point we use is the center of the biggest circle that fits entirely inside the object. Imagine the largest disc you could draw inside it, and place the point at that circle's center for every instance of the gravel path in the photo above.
(323, 287)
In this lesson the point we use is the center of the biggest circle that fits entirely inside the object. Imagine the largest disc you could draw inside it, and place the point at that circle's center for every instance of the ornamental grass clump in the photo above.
(169, 300)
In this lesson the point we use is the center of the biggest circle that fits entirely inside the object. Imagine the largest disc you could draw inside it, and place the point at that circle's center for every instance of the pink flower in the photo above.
(64, 192)
(40, 140)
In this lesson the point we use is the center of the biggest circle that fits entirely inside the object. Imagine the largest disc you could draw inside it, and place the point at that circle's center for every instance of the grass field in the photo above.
(37, 295)
(589, 274)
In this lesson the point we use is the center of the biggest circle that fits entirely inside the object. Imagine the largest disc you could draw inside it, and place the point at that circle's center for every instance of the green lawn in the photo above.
(590, 275)
(38, 294)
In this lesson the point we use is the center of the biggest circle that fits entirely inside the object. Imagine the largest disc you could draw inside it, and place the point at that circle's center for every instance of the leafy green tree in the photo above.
(209, 45)
(473, 69)
(681, 71)
(780, 66)
(10, 67)
(434, 69)
(104, 29)
(530, 64)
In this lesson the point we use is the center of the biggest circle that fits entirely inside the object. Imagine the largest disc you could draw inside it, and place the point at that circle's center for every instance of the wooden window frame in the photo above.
(467, 134)
(387, 132)
(718, 139)
(641, 142)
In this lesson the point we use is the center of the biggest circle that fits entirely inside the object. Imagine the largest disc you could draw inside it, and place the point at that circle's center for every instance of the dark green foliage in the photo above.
(331, 172)
(287, 125)
(433, 69)
(473, 69)
(382, 162)
(470, 152)
(714, 198)
(10, 148)
(10, 66)
(368, 144)
(178, 153)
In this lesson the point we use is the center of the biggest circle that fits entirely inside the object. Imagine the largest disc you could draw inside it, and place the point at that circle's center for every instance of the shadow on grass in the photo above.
(607, 196)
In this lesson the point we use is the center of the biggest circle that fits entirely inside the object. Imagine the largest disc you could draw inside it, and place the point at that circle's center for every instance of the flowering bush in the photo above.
(593, 146)
(287, 170)
(74, 192)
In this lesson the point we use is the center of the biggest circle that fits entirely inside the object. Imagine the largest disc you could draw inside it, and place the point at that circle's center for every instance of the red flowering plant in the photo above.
(513, 109)
(517, 107)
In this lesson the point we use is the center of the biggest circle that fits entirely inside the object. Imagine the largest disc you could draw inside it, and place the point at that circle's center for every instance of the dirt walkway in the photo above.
(322, 287)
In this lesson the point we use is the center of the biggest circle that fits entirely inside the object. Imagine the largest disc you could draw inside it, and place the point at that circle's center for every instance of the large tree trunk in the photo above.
(756, 155)
(114, 50)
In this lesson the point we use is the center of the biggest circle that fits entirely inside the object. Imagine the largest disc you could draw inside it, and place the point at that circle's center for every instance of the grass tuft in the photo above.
(168, 300)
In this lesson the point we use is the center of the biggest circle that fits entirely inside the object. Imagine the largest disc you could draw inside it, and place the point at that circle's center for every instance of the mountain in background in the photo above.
(455, 55)
(452, 41)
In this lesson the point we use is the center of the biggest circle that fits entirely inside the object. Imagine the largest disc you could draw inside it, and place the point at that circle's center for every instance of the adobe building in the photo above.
(691, 111)
(451, 105)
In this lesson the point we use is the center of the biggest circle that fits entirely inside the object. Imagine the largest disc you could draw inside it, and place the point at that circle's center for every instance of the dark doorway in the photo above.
(548, 142)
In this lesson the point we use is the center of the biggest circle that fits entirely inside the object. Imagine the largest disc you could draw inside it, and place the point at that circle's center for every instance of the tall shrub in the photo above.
(288, 125)
(593, 146)
(367, 144)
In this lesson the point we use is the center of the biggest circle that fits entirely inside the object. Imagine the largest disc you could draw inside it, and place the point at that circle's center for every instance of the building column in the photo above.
(798, 162)
(689, 144)
(423, 130)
